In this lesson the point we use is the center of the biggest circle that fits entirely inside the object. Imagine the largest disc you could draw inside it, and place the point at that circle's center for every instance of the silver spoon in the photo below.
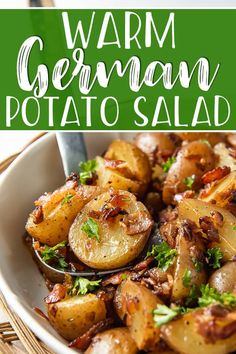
(73, 150)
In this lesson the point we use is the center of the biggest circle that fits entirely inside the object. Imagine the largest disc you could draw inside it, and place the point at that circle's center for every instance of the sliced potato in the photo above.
(108, 178)
(182, 336)
(224, 157)
(193, 209)
(212, 138)
(194, 159)
(59, 210)
(137, 160)
(134, 303)
(117, 243)
(113, 341)
(73, 316)
(224, 279)
(222, 192)
(185, 265)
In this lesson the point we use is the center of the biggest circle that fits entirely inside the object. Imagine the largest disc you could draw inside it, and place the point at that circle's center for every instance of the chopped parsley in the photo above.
(51, 255)
(205, 141)
(164, 314)
(186, 278)
(82, 286)
(67, 199)
(189, 181)
(197, 264)
(163, 254)
(90, 227)
(124, 276)
(234, 228)
(88, 168)
(193, 295)
(214, 256)
(167, 165)
(211, 296)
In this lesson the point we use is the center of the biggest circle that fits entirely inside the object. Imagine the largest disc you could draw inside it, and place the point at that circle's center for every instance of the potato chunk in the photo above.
(194, 209)
(134, 303)
(224, 279)
(122, 227)
(194, 159)
(212, 138)
(113, 341)
(183, 336)
(73, 316)
(58, 211)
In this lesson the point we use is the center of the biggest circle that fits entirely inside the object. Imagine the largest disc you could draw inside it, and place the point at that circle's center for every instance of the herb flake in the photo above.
(82, 286)
(163, 254)
(90, 227)
(167, 165)
(189, 181)
(211, 296)
(186, 278)
(51, 254)
(214, 256)
(67, 199)
(88, 168)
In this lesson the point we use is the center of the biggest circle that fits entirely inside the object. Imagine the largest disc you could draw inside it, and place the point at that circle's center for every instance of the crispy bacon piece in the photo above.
(168, 215)
(187, 229)
(114, 164)
(73, 177)
(217, 218)
(58, 293)
(159, 282)
(106, 212)
(116, 279)
(118, 200)
(143, 264)
(137, 222)
(38, 214)
(207, 226)
(215, 174)
(40, 313)
(85, 340)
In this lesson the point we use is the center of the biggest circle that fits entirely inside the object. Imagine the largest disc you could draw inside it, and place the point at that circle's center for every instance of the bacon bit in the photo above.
(95, 214)
(114, 164)
(106, 213)
(168, 215)
(73, 177)
(118, 200)
(217, 218)
(207, 226)
(189, 194)
(137, 222)
(215, 174)
(169, 232)
(232, 152)
(58, 293)
(106, 294)
(76, 266)
(143, 265)
(85, 340)
(40, 313)
(187, 229)
(159, 282)
(38, 214)
(115, 279)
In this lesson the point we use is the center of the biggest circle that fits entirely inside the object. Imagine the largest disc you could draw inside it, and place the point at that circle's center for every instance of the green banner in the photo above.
(118, 69)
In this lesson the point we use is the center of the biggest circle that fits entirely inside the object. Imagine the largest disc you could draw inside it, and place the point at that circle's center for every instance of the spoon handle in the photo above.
(72, 149)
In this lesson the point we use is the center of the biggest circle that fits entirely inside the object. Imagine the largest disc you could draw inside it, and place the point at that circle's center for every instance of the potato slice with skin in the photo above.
(108, 178)
(116, 247)
(58, 216)
(193, 209)
(137, 160)
(221, 191)
(182, 336)
(195, 158)
(135, 303)
(113, 341)
(188, 251)
(73, 316)
(224, 278)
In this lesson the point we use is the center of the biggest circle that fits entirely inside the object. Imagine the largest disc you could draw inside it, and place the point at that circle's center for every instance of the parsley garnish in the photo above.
(51, 254)
(205, 141)
(163, 254)
(197, 264)
(188, 181)
(211, 296)
(186, 278)
(163, 314)
(124, 276)
(87, 170)
(234, 228)
(90, 227)
(167, 165)
(67, 199)
(83, 285)
(214, 255)
(193, 295)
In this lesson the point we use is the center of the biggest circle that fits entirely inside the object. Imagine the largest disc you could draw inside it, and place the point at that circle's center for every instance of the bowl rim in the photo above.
(11, 298)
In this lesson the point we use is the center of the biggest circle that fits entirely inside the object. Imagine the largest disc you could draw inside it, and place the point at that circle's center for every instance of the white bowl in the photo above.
(37, 170)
